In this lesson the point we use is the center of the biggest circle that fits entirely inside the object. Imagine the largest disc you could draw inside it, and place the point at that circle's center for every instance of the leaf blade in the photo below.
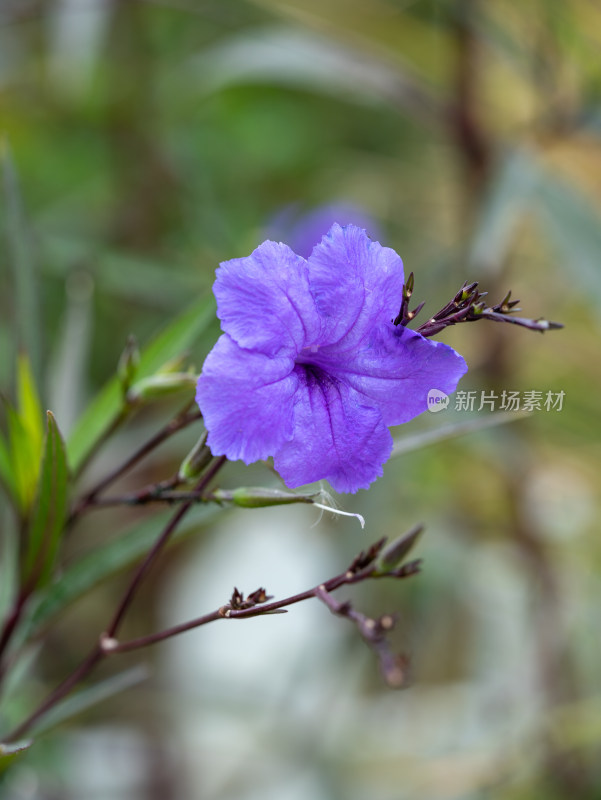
(106, 407)
(50, 510)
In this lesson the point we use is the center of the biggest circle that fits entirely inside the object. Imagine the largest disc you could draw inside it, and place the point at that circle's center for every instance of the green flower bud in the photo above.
(128, 363)
(196, 460)
(160, 385)
(395, 553)
(258, 497)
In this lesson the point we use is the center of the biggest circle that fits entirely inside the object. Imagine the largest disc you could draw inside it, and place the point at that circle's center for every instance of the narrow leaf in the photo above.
(6, 468)
(50, 510)
(21, 259)
(25, 460)
(9, 561)
(508, 198)
(418, 440)
(10, 752)
(573, 224)
(107, 406)
(28, 401)
(91, 696)
(106, 561)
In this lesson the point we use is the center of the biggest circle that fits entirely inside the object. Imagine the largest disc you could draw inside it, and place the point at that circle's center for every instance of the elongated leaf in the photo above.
(9, 561)
(10, 752)
(90, 696)
(510, 195)
(28, 402)
(21, 259)
(48, 519)
(418, 440)
(20, 464)
(6, 469)
(288, 56)
(25, 460)
(108, 560)
(573, 223)
(99, 416)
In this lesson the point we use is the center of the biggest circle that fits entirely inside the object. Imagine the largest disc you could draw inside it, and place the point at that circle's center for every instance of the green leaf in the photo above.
(25, 460)
(10, 752)
(21, 259)
(416, 441)
(509, 196)
(108, 405)
(106, 561)
(9, 561)
(6, 468)
(28, 402)
(47, 522)
(26, 435)
(573, 223)
(90, 696)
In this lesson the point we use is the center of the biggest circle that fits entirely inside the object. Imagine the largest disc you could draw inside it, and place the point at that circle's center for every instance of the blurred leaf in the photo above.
(9, 565)
(10, 752)
(380, 27)
(48, 519)
(143, 281)
(28, 405)
(25, 461)
(288, 56)
(416, 441)
(90, 696)
(6, 469)
(27, 311)
(509, 196)
(573, 222)
(26, 436)
(103, 411)
(108, 560)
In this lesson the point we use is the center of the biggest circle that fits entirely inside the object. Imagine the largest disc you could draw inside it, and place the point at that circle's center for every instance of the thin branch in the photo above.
(467, 306)
(182, 420)
(97, 653)
(159, 546)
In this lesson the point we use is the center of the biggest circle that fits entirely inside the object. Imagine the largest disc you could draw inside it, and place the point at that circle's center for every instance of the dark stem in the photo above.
(159, 545)
(97, 653)
(179, 422)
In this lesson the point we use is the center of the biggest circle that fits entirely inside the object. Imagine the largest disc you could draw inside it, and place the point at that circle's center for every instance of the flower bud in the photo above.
(395, 553)
(128, 363)
(258, 497)
(196, 460)
(160, 385)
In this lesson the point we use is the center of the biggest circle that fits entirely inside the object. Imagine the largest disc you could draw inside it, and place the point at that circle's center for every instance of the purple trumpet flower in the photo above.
(310, 368)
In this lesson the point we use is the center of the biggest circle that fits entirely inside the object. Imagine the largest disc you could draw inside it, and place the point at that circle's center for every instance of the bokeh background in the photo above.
(152, 139)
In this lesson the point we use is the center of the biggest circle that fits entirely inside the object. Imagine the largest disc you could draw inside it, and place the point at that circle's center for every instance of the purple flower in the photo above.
(310, 368)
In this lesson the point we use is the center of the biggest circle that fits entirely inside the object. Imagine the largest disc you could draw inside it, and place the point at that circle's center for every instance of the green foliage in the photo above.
(46, 526)
(106, 561)
(9, 753)
(20, 461)
(109, 407)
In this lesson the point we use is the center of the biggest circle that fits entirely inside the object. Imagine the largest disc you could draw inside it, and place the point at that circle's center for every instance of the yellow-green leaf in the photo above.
(108, 405)
(47, 522)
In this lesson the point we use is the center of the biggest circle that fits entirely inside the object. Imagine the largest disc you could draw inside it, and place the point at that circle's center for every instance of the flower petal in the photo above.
(336, 436)
(356, 284)
(395, 369)
(264, 302)
(247, 401)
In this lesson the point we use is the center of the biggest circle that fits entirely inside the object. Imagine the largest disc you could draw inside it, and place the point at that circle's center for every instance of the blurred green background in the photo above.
(152, 139)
